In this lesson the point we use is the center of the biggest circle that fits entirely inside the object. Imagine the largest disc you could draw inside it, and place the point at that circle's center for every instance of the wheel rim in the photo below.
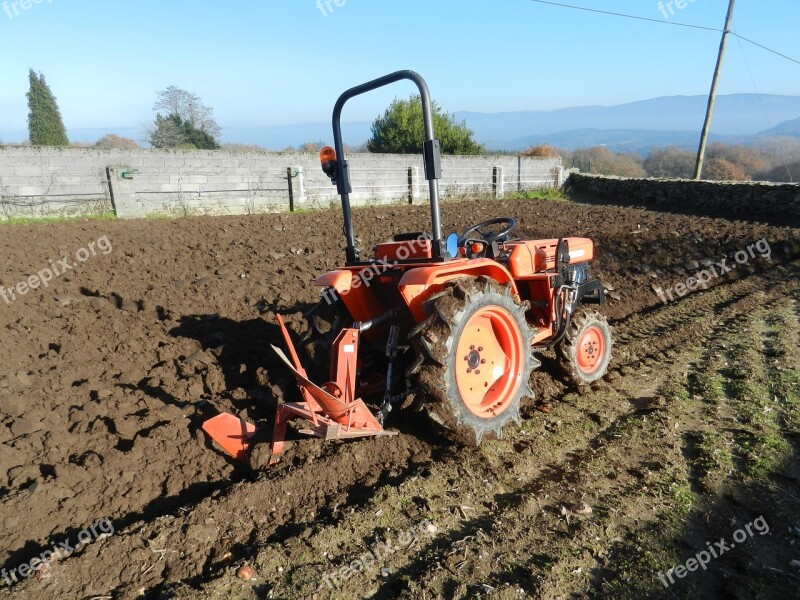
(488, 362)
(591, 349)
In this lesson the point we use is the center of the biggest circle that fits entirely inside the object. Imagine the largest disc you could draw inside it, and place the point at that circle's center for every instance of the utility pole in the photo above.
(712, 97)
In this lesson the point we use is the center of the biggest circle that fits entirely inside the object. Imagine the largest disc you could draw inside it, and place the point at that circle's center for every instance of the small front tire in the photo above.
(585, 352)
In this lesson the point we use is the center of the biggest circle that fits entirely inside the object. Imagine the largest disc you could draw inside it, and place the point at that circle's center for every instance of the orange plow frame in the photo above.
(333, 410)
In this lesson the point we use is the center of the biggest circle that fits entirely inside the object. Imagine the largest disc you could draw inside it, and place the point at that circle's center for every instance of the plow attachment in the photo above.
(332, 409)
(231, 433)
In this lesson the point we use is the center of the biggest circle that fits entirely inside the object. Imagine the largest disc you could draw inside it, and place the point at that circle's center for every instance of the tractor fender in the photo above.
(417, 285)
(341, 280)
(354, 291)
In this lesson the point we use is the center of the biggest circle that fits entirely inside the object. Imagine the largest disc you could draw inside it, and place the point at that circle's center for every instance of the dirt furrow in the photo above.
(466, 547)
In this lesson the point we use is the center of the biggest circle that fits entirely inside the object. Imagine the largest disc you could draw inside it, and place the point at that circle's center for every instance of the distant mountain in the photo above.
(632, 127)
(790, 128)
(736, 114)
(635, 127)
(278, 137)
(640, 141)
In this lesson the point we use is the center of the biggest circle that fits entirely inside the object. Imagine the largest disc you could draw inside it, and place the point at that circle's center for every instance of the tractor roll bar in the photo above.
(431, 156)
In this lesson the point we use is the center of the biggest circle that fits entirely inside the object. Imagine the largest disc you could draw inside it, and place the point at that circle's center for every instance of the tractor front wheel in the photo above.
(475, 359)
(585, 352)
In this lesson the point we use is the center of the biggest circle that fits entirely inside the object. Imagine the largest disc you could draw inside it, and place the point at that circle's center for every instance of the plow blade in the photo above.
(231, 433)
(331, 417)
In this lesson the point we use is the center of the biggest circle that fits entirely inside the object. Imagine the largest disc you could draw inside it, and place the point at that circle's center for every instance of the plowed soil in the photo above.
(108, 373)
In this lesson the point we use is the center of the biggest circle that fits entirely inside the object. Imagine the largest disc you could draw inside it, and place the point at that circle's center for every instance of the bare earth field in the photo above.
(684, 456)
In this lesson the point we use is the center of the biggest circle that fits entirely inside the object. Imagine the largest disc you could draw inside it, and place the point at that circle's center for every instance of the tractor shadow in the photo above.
(244, 356)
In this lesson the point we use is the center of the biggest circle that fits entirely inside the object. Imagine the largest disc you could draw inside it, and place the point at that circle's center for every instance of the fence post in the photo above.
(123, 192)
(560, 176)
(519, 173)
(498, 184)
(291, 188)
(413, 184)
(301, 184)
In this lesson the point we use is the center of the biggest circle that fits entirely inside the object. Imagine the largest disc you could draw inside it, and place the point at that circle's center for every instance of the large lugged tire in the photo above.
(325, 320)
(475, 359)
(585, 352)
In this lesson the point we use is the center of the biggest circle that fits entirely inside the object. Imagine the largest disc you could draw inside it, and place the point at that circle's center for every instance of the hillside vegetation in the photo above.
(776, 160)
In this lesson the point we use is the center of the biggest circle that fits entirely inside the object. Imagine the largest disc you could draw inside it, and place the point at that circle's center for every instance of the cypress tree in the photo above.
(45, 127)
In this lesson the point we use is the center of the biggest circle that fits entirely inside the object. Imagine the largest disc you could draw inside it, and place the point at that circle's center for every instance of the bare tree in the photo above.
(189, 107)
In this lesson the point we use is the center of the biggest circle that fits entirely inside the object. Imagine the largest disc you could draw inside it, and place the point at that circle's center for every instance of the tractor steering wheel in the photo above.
(489, 236)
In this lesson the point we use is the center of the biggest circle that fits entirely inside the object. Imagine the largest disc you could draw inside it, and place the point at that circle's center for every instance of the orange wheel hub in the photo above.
(489, 361)
(590, 350)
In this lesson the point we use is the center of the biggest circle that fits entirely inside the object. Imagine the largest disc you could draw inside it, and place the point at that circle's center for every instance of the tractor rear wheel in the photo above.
(474, 360)
(585, 352)
(325, 320)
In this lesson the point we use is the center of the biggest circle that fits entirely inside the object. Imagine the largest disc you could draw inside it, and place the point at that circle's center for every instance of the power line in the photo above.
(741, 37)
(615, 14)
(663, 22)
(782, 155)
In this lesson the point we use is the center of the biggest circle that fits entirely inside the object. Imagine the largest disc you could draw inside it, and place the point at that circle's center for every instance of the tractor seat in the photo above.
(413, 246)
(408, 237)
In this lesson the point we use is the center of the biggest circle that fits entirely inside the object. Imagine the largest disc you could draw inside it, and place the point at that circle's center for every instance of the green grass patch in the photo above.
(764, 455)
(107, 216)
(789, 390)
(714, 457)
(541, 194)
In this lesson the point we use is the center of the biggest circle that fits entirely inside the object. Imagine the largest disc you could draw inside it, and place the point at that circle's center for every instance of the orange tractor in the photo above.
(448, 325)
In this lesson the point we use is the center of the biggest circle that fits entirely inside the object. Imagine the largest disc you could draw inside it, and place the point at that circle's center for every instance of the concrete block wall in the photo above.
(712, 197)
(52, 182)
(198, 182)
(141, 182)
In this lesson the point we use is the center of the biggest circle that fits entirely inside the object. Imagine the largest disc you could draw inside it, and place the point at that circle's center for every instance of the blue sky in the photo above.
(275, 62)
